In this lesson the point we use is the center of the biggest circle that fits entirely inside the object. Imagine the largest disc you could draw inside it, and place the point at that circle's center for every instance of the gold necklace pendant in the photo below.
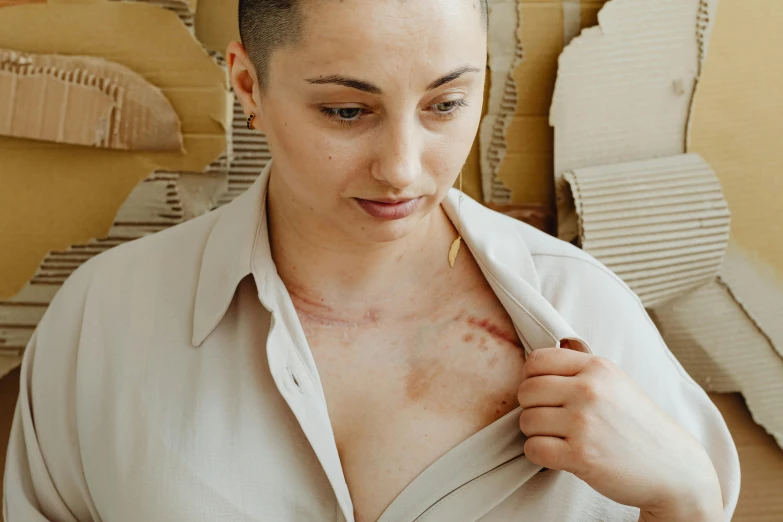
(453, 251)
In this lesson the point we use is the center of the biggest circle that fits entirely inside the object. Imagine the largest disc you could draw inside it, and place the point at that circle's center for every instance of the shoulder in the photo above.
(167, 262)
(566, 271)
(559, 266)
(600, 306)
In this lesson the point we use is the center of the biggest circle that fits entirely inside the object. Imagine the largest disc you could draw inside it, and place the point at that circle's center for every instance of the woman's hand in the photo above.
(584, 415)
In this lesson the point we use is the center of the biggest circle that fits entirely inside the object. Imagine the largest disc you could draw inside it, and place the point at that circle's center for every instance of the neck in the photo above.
(336, 280)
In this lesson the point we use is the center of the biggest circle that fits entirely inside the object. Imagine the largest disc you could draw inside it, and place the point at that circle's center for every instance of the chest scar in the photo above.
(493, 330)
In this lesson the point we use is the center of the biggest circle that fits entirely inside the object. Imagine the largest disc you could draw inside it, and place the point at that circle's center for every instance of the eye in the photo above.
(344, 115)
(449, 108)
(350, 113)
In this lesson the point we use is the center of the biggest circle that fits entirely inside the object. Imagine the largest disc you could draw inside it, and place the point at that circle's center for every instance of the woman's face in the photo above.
(379, 102)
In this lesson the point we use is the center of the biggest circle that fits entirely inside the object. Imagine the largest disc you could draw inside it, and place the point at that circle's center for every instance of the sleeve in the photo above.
(44, 480)
(613, 321)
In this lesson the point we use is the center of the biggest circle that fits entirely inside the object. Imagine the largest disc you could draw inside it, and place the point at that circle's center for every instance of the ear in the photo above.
(244, 80)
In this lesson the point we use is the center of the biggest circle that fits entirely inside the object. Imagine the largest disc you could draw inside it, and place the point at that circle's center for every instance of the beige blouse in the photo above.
(170, 380)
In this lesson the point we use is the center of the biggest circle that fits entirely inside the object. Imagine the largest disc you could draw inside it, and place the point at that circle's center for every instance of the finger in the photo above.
(552, 422)
(554, 361)
(545, 390)
(549, 452)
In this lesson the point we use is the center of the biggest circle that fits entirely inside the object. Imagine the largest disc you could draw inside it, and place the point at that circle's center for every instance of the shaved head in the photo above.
(267, 25)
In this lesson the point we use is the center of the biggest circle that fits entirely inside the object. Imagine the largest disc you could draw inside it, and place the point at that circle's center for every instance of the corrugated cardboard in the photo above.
(662, 224)
(59, 195)
(737, 126)
(623, 93)
(760, 460)
(725, 350)
(83, 100)
(160, 201)
(624, 88)
(515, 137)
(545, 28)
(503, 55)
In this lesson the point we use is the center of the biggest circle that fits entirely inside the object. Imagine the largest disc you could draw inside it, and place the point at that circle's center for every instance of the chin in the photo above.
(389, 231)
(375, 231)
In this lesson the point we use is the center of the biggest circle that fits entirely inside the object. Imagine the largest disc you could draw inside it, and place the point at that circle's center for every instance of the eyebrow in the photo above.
(361, 85)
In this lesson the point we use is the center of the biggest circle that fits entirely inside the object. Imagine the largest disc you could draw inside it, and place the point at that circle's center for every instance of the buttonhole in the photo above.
(294, 379)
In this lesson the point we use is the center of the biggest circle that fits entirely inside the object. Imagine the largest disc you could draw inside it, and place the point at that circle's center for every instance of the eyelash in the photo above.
(332, 113)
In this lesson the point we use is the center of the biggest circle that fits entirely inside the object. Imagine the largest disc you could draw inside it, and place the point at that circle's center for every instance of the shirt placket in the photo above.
(305, 399)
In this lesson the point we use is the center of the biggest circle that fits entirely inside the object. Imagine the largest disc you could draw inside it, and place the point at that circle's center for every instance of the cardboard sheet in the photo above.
(662, 224)
(725, 350)
(216, 23)
(624, 88)
(5, 3)
(504, 53)
(160, 201)
(737, 126)
(83, 100)
(184, 9)
(761, 462)
(545, 28)
(59, 195)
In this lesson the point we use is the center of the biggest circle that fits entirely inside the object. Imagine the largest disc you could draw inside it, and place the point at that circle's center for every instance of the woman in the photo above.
(308, 352)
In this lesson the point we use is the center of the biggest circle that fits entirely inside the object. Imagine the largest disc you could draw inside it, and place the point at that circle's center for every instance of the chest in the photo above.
(402, 393)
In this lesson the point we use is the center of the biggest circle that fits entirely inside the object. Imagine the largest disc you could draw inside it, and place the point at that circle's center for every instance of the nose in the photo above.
(398, 160)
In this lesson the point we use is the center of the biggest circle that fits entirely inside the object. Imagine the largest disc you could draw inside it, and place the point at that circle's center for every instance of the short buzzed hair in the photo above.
(267, 25)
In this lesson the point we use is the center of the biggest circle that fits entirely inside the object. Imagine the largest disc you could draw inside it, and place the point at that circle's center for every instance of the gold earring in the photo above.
(454, 249)
(249, 121)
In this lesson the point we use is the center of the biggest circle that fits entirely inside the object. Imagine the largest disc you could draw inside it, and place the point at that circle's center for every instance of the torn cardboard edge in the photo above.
(544, 28)
(624, 92)
(662, 225)
(94, 182)
(737, 130)
(724, 349)
(84, 100)
(504, 52)
(619, 97)
(216, 23)
(758, 289)
(161, 201)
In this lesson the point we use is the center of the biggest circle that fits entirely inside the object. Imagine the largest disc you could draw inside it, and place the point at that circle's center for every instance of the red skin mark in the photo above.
(300, 298)
(311, 308)
(492, 330)
(468, 338)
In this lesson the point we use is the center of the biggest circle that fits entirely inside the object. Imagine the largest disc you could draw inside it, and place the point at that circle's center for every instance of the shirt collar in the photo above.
(238, 245)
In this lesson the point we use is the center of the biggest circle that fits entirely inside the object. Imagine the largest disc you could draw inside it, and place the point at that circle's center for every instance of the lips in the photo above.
(389, 209)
